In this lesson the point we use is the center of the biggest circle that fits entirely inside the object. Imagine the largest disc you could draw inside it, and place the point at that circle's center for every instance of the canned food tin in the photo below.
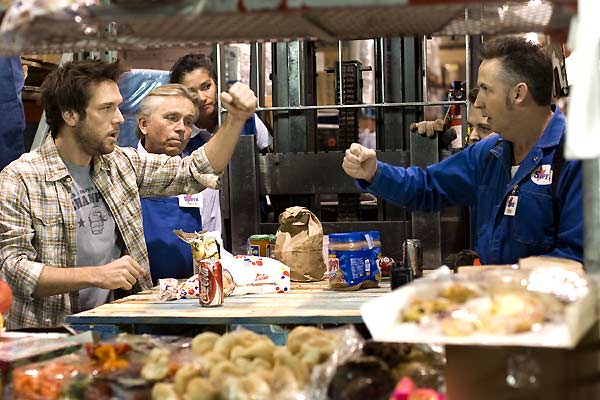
(412, 256)
(261, 245)
(210, 283)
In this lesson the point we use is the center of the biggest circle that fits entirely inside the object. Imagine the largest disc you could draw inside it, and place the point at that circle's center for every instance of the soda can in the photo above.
(412, 256)
(210, 283)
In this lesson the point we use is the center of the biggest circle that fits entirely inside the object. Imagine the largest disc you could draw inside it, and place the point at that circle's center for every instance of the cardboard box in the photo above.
(481, 372)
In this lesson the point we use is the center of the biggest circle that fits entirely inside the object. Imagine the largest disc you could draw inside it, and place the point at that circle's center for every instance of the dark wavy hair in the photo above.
(523, 61)
(189, 63)
(473, 95)
(68, 88)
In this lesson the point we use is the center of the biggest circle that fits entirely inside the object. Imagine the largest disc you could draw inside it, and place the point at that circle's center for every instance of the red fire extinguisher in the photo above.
(456, 93)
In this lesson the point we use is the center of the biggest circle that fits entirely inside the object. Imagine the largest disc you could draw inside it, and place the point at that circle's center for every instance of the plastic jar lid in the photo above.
(353, 236)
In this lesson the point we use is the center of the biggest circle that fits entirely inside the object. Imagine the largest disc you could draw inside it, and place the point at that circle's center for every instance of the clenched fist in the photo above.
(119, 274)
(240, 101)
(430, 128)
(360, 162)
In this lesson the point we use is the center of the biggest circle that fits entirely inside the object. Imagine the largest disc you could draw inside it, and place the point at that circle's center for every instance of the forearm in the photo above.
(55, 280)
(164, 176)
(221, 147)
(396, 185)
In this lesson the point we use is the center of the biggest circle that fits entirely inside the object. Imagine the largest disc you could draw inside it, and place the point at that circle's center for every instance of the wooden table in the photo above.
(312, 303)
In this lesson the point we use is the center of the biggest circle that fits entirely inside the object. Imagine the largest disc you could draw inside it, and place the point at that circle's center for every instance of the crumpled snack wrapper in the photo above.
(299, 244)
(205, 245)
(252, 274)
(241, 275)
(168, 288)
(172, 289)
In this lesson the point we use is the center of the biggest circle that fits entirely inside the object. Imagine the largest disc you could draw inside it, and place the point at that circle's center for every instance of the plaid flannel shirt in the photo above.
(37, 219)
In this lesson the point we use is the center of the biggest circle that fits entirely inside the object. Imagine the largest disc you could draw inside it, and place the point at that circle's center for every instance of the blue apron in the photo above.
(171, 257)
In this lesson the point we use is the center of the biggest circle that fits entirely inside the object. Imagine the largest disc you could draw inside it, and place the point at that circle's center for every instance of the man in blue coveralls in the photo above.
(11, 109)
(528, 199)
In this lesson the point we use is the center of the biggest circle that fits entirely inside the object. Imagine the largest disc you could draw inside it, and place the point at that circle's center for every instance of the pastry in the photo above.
(204, 342)
(360, 379)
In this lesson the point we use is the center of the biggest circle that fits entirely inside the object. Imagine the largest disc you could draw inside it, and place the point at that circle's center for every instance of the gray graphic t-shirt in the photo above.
(98, 240)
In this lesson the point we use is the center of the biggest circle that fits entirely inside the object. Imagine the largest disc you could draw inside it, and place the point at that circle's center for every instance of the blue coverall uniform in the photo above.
(468, 179)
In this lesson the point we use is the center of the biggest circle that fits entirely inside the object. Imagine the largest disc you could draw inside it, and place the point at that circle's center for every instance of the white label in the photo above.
(542, 175)
(511, 206)
(369, 241)
(190, 200)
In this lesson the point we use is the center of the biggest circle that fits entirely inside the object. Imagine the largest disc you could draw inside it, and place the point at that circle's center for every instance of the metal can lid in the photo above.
(260, 237)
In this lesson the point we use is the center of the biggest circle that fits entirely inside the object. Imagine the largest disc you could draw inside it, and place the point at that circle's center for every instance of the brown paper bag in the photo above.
(299, 244)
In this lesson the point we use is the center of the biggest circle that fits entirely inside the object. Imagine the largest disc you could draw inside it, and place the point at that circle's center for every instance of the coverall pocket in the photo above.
(533, 223)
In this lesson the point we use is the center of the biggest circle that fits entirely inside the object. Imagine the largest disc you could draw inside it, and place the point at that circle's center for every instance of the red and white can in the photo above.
(210, 282)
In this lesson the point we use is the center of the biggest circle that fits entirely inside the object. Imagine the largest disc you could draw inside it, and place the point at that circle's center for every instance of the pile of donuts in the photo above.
(239, 365)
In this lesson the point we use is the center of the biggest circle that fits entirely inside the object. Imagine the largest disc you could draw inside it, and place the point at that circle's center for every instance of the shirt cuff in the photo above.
(369, 186)
(27, 277)
(205, 174)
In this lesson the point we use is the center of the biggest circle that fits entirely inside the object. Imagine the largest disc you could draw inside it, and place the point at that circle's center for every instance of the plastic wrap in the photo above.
(241, 275)
(134, 86)
(351, 343)
(543, 307)
(47, 380)
(243, 365)
(20, 348)
(105, 370)
(360, 369)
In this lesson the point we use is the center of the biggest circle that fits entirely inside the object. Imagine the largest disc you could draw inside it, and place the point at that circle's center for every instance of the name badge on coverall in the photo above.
(511, 202)
(542, 175)
(190, 200)
(511, 206)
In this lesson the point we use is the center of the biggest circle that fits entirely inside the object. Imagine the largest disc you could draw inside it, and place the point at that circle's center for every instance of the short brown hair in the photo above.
(523, 61)
(151, 101)
(67, 88)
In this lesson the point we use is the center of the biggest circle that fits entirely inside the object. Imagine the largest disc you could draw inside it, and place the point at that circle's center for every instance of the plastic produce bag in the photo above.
(134, 86)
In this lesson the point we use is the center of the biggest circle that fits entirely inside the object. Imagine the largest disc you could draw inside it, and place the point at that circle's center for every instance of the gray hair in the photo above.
(154, 98)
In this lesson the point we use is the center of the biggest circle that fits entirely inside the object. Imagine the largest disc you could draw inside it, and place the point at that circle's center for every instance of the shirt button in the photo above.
(71, 226)
(535, 158)
(68, 179)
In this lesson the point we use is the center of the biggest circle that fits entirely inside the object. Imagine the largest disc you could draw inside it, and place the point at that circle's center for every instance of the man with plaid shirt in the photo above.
(70, 216)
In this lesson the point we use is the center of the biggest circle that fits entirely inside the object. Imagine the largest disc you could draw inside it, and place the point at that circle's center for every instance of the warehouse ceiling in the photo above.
(133, 24)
